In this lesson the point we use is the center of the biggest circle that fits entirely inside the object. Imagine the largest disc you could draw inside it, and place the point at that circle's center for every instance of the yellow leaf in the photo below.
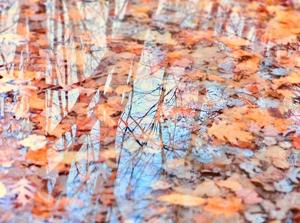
(7, 88)
(21, 109)
(34, 142)
(182, 199)
(25, 75)
(3, 190)
(9, 37)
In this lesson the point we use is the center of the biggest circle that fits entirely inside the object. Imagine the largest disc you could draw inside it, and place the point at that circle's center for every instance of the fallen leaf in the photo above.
(4, 87)
(227, 206)
(24, 191)
(235, 133)
(43, 204)
(3, 190)
(192, 37)
(21, 108)
(13, 38)
(182, 199)
(34, 142)
(123, 89)
(248, 66)
(296, 141)
(38, 157)
(249, 196)
(229, 184)
(278, 156)
(293, 78)
(162, 38)
(283, 27)
(104, 113)
(234, 42)
(207, 188)
(160, 185)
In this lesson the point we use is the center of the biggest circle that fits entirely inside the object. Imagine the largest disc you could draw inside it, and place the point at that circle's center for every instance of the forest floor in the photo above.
(150, 111)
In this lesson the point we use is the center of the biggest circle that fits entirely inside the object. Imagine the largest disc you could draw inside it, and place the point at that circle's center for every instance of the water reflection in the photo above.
(76, 45)
(121, 110)
(8, 36)
(58, 104)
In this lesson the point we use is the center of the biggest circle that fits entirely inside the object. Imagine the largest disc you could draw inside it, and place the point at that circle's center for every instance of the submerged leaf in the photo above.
(224, 206)
(235, 133)
(182, 199)
(34, 142)
(3, 190)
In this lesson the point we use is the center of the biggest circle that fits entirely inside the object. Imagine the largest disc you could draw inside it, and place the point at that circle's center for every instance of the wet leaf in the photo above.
(207, 188)
(278, 156)
(230, 184)
(249, 196)
(296, 142)
(182, 199)
(38, 157)
(234, 133)
(34, 142)
(123, 89)
(3, 190)
(224, 206)
(4, 87)
(162, 38)
(24, 191)
(116, 105)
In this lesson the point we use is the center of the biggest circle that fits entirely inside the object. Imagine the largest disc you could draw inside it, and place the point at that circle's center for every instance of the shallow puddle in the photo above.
(149, 111)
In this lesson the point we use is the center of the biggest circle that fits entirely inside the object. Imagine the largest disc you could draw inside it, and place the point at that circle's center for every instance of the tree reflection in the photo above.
(124, 96)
